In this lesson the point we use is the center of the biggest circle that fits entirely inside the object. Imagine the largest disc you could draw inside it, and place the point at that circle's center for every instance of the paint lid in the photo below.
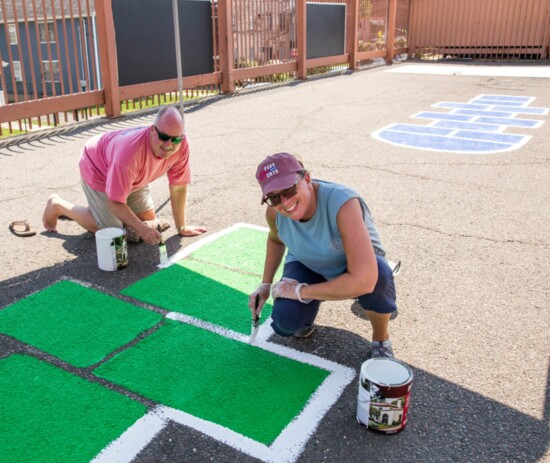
(110, 232)
(386, 371)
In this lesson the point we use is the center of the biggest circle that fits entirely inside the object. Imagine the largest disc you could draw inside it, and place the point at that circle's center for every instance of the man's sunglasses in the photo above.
(165, 137)
(275, 199)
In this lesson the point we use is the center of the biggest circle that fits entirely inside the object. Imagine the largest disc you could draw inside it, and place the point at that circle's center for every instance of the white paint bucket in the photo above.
(384, 395)
(112, 249)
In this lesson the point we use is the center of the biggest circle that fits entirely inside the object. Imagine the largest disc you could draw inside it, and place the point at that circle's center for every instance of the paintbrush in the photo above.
(163, 253)
(255, 321)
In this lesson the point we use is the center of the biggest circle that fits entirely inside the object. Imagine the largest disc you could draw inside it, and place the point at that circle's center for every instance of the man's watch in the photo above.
(181, 227)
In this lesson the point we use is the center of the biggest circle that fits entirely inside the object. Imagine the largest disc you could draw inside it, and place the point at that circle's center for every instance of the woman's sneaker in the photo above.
(380, 349)
(305, 333)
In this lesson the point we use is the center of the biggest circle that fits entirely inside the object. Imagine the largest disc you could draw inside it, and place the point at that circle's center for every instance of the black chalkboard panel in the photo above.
(326, 29)
(145, 43)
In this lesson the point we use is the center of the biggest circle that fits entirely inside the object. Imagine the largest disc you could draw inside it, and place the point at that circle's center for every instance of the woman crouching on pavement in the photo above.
(334, 252)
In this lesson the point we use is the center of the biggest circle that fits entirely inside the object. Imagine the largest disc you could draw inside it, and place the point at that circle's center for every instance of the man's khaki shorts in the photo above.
(138, 201)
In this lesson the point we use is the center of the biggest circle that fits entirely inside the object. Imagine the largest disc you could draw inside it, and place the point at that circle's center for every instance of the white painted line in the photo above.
(188, 319)
(133, 440)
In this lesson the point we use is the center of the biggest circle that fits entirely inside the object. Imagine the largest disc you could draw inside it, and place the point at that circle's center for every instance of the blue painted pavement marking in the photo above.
(509, 104)
(476, 126)
(496, 137)
(508, 98)
(491, 106)
(531, 123)
(442, 116)
(468, 126)
(471, 112)
(519, 110)
(452, 105)
(439, 143)
(426, 129)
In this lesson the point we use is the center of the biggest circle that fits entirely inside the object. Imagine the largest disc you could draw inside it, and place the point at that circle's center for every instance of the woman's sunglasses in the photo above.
(275, 199)
(165, 137)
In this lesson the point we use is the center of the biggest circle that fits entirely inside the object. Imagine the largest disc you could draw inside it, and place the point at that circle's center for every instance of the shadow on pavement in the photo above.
(142, 259)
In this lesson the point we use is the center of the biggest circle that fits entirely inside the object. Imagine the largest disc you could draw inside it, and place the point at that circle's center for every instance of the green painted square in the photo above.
(76, 324)
(50, 415)
(205, 291)
(242, 387)
(242, 249)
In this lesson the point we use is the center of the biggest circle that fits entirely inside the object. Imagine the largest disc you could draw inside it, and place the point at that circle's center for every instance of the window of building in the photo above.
(48, 71)
(17, 71)
(46, 31)
(12, 32)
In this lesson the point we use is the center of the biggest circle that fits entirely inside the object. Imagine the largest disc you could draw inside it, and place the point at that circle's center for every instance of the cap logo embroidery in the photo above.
(268, 171)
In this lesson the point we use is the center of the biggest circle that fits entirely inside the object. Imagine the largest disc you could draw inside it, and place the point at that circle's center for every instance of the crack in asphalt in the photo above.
(463, 235)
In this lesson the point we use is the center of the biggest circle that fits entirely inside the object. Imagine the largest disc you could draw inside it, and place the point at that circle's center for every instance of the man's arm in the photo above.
(178, 200)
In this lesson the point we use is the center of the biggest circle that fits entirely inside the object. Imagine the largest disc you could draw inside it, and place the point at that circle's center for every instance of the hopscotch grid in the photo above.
(288, 446)
(495, 114)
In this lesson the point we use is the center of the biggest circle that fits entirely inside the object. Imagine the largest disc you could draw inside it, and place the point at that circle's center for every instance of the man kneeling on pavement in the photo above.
(116, 169)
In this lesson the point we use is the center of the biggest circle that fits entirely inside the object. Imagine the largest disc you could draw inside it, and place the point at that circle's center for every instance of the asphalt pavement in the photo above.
(471, 230)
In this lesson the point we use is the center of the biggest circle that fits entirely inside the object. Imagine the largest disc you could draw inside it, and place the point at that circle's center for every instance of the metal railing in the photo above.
(59, 56)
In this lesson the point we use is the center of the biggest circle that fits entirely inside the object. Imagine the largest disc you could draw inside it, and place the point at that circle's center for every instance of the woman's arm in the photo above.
(362, 270)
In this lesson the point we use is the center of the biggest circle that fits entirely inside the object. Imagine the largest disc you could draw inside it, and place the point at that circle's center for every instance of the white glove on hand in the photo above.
(262, 293)
(289, 288)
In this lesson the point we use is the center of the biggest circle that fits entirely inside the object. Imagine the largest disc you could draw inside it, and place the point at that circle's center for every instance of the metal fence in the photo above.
(59, 59)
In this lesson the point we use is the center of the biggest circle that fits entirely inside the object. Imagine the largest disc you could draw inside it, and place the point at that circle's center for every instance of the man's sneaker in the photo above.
(380, 349)
(305, 333)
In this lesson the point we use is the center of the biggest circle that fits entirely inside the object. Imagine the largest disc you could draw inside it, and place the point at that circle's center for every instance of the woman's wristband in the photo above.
(298, 290)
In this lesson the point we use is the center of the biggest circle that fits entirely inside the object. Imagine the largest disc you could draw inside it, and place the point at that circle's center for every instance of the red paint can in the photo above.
(384, 395)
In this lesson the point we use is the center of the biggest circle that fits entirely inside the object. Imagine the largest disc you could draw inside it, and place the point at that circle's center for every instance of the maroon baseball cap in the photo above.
(277, 172)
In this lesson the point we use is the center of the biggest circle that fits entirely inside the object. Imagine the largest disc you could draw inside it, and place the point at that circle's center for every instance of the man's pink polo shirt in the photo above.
(121, 162)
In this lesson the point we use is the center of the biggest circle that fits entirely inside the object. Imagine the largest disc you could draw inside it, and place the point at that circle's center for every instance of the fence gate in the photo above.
(488, 29)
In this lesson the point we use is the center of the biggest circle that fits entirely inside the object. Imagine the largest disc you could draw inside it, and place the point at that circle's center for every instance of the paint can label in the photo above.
(120, 248)
(384, 395)
(112, 248)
